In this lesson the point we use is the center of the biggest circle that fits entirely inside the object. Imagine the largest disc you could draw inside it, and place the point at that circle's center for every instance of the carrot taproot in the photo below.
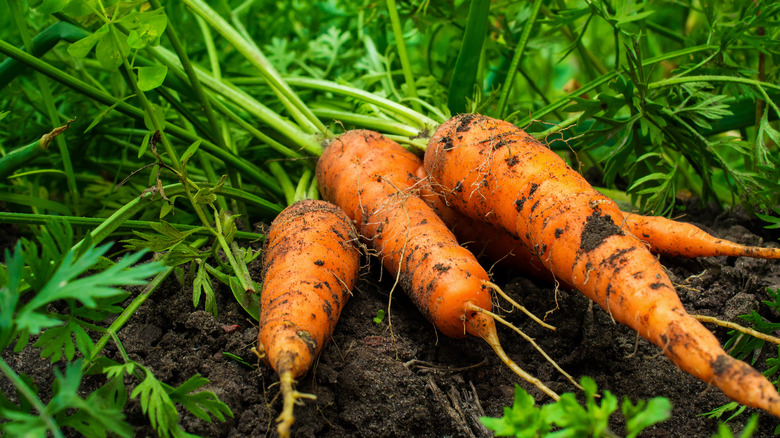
(310, 266)
(373, 178)
(682, 239)
(493, 171)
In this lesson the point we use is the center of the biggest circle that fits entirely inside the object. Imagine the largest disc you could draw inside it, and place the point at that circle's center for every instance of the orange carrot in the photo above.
(310, 266)
(480, 237)
(490, 170)
(372, 179)
(681, 239)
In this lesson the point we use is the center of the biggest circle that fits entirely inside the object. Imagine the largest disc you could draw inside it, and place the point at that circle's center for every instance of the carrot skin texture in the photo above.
(682, 239)
(480, 237)
(373, 179)
(310, 266)
(492, 171)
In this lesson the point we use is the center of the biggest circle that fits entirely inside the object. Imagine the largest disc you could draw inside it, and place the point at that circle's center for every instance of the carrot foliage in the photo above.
(567, 417)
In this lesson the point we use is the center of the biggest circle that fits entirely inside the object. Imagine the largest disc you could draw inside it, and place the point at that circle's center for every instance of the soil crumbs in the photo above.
(371, 381)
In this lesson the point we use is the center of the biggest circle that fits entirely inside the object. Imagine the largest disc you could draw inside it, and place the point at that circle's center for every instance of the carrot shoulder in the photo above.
(686, 240)
(373, 179)
(492, 171)
(310, 266)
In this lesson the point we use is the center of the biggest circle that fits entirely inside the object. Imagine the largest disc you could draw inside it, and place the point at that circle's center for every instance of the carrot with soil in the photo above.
(492, 171)
(682, 239)
(310, 266)
(373, 179)
(662, 236)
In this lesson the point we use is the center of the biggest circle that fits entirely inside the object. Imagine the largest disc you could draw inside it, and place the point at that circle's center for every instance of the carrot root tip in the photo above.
(484, 323)
(290, 397)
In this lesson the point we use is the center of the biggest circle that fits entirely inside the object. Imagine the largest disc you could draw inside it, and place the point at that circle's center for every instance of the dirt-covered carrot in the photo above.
(373, 179)
(681, 239)
(310, 266)
(493, 171)
(482, 238)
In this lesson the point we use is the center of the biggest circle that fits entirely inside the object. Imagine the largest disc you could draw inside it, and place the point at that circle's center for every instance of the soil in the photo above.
(374, 381)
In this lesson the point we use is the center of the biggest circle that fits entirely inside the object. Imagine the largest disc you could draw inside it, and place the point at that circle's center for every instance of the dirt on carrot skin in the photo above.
(370, 383)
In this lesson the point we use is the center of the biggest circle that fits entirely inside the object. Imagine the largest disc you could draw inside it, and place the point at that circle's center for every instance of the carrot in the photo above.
(490, 170)
(310, 266)
(482, 238)
(686, 240)
(373, 180)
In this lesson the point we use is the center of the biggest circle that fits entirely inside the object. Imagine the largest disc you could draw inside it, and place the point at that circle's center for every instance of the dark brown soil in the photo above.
(372, 381)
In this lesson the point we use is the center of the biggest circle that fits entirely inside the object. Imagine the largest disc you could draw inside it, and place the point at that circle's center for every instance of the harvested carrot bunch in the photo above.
(374, 180)
(492, 171)
(310, 267)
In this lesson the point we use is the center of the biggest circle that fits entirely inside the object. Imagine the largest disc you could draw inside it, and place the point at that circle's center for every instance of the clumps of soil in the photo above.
(598, 227)
(371, 381)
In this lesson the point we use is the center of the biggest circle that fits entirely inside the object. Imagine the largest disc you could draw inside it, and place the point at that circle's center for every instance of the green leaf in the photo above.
(51, 6)
(82, 47)
(87, 289)
(640, 417)
(9, 295)
(55, 339)
(202, 403)
(202, 284)
(105, 112)
(249, 301)
(185, 157)
(112, 50)
(151, 77)
(146, 27)
(159, 114)
(156, 404)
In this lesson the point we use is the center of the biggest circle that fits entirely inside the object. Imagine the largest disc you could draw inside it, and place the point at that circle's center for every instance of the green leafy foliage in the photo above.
(568, 418)
(57, 274)
(93, 416)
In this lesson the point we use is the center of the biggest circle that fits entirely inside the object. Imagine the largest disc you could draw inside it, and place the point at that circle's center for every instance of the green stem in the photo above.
(464, 76)
(159, 125)
(283, 179)
(42, 43)
(560, 103)
(375, 123)
(48, 102)
(23, 155)
(91, 222)
(200, 93)
(246, 168)
(30, 397)
(131, 208)
(239, 268)
(130, 310)
(250, 105)
(301, 190)
(423, 121)
(403, 57)
(308, 142)
(515, 65)
(300, 112)
(710, 78)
